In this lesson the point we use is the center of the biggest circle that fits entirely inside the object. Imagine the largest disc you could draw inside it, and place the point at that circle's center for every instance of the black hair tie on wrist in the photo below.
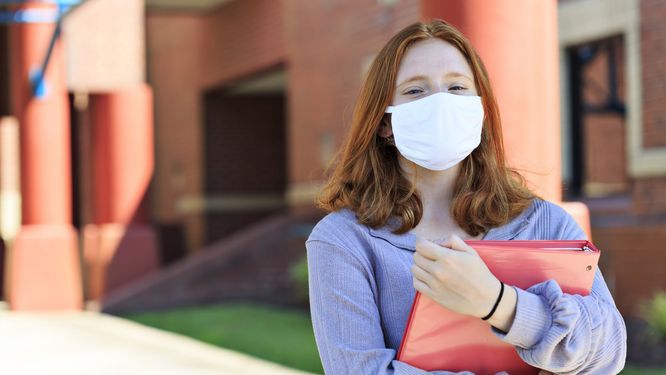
(499, 298)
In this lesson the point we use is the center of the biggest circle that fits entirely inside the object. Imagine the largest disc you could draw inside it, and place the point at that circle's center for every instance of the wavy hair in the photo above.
(367, 178)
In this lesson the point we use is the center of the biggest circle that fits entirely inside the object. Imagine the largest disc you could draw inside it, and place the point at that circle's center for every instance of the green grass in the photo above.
(273, 334)
(276, 335)
(633, 370)
(654, 313)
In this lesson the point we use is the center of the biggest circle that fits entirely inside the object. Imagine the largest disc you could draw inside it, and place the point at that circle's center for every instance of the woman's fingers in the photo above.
(421, 286)
(456, 243)
(421, 274)
(428, 249)
(455, 277)
(425, 263)
(436, 269)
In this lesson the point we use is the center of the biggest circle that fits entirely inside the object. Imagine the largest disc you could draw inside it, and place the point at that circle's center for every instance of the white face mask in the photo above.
(438, 131)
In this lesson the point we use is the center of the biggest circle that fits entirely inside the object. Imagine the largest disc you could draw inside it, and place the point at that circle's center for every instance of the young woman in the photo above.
(423, 169)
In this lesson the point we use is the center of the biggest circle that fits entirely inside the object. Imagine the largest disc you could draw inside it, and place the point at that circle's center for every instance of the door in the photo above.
(245, 160)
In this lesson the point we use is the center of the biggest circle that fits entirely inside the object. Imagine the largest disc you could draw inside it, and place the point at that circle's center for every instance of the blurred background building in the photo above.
(182, 142)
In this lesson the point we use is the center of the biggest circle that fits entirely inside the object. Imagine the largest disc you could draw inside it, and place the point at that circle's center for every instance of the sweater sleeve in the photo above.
(565, 333)
(345, 316)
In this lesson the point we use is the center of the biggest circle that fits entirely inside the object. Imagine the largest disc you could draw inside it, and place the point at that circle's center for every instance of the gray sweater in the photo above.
(361, 292)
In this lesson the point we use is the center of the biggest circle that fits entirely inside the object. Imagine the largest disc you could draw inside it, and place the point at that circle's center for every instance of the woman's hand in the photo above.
(454, 276)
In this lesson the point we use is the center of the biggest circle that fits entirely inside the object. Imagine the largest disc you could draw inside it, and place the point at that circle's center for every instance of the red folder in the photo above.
(438, 339)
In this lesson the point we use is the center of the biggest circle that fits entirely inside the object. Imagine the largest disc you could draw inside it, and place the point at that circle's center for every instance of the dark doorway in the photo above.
(598, 127)
(81, 160)
(245, 159)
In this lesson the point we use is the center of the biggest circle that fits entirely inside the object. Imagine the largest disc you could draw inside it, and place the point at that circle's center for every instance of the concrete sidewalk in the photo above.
(88, 343)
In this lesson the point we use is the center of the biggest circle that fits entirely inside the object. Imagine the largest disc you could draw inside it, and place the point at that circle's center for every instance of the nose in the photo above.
(439, 87)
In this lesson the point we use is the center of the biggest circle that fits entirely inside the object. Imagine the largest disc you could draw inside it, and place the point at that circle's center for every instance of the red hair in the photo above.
(367, 177)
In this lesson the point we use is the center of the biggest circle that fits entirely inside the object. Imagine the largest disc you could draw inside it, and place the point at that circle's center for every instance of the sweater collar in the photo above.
(407, 241)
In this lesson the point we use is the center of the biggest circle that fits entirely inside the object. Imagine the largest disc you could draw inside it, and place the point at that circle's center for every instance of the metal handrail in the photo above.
(39, 15)
(57, 2)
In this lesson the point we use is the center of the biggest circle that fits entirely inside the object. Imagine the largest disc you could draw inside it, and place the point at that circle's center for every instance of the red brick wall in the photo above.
(328, 44)
(649, 196)
(605, 156)
(174, 64)
(631, 262)
(105, 45)
(188, 54)
(653, 58)
(4, 72)
(241, 38)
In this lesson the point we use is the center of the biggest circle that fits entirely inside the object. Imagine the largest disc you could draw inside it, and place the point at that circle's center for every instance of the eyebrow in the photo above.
(424, 78)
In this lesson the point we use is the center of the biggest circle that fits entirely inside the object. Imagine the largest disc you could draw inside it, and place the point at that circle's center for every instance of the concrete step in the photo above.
(252, 264)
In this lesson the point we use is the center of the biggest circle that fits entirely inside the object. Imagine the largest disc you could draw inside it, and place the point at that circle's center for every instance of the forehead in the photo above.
(433, 58)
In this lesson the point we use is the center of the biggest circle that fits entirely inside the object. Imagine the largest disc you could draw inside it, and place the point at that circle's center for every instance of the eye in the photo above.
(413, 91)
(457, 88)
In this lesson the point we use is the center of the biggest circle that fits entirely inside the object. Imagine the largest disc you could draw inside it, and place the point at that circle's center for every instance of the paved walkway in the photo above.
(89, 343)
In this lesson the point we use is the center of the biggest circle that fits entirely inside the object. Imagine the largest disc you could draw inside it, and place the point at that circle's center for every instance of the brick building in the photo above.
(251, 99)
(613, 87)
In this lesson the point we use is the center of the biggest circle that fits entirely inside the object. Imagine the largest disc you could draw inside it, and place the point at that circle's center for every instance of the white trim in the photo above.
(303, 193)
(588, 20)
(10, 179)
(229, 202)
(565, 128)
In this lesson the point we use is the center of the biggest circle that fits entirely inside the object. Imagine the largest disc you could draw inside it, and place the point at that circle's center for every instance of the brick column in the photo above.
(120, 246)
(517, 40)
(44, 269)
